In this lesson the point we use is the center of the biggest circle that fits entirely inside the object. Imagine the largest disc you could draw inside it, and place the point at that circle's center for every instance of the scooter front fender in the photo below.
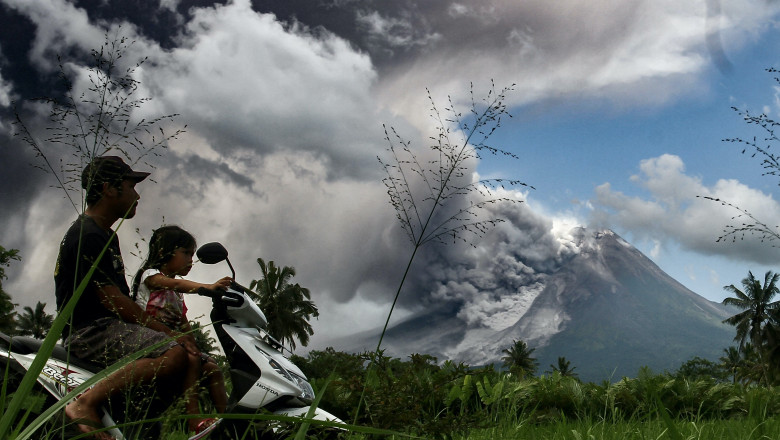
(319, 414)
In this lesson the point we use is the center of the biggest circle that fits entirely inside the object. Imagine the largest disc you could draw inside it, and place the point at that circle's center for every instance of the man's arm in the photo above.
(113, 299)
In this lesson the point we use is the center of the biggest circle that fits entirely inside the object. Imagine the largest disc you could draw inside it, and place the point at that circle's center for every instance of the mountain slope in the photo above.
(608, 309)
(631, 314)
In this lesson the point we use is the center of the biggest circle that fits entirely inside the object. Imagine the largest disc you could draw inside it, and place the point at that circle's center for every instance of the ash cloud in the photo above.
(494, 282)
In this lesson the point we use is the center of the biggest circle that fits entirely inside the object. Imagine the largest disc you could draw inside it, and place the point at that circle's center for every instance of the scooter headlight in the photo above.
(307, 392)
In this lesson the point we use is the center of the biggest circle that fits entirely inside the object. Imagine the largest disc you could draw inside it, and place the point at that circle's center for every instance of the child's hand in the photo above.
(222, 284)
(188, 342)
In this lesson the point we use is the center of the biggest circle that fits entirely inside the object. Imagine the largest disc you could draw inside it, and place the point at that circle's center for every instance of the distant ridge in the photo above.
(608, 309)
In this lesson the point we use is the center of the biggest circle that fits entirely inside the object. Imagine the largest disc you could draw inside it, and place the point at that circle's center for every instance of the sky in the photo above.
(619, 115)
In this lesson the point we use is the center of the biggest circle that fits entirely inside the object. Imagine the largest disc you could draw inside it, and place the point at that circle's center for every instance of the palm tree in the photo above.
(206, 343)
(35, 323)
(732, 361)
(752, 368)
(518, 359)
(7, 313)
(8, 316)
(757, 311)
(564, 368)
(288, 307)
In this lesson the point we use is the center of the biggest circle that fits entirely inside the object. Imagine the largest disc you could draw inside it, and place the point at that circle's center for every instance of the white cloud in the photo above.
(714, 277)
(676, 210)
(6, 90)
(6, 96)
(170, 4)
(656, 250)
(243, 81)
(458, 9)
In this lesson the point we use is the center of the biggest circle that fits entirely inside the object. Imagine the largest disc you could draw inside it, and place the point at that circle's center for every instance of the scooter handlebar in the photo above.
(227, 297)
(202, 291)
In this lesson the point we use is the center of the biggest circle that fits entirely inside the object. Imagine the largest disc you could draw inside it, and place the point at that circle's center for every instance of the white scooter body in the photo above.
(280, 378)
(262, 376)
(59, 376)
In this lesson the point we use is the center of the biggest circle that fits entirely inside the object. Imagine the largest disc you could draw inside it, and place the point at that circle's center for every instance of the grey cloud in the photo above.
(21, 182)
(388, 35)
(209, 170)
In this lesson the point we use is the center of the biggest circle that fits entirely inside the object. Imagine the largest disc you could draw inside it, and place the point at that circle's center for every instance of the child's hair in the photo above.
(164, 242)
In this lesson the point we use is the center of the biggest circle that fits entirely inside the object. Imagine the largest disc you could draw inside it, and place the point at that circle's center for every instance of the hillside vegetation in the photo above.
(418, 397)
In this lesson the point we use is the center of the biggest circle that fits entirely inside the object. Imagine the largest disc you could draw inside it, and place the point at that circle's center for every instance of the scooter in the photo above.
(261, 376)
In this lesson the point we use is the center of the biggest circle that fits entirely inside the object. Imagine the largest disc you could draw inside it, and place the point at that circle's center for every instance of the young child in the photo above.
(157, 289)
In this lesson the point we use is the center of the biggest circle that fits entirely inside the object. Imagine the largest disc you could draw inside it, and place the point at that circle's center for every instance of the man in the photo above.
(107, 324)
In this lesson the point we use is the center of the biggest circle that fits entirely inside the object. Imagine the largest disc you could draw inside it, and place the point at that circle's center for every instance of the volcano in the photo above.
(608, 309)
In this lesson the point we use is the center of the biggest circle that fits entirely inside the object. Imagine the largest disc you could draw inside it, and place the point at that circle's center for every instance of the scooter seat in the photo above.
(28, 345)
(15, 344)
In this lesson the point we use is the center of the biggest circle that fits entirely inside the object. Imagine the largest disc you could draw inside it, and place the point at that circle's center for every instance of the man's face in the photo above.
(127, 199)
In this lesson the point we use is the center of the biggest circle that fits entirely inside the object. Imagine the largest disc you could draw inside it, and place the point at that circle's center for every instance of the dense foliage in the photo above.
(420, 397)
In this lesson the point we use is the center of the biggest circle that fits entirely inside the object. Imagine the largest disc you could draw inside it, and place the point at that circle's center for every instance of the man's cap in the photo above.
(109, 169)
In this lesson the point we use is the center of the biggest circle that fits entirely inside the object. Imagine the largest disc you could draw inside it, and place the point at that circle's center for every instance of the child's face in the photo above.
(181, 262)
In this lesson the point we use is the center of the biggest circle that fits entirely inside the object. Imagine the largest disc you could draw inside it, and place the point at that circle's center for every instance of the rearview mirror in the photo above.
(212, 253)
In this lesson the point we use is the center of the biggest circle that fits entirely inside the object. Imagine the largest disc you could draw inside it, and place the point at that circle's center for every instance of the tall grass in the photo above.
(433, 191)
(629, 430)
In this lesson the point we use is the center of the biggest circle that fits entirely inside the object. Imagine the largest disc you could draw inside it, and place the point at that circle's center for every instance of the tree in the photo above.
(288, 307)
(564, 368)
(205, 342)
(751, 369)
(756, 304)
(7, 313)
(757, 311)
(700, 368)
(732, 362)
(35, 323)
(518, 359)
